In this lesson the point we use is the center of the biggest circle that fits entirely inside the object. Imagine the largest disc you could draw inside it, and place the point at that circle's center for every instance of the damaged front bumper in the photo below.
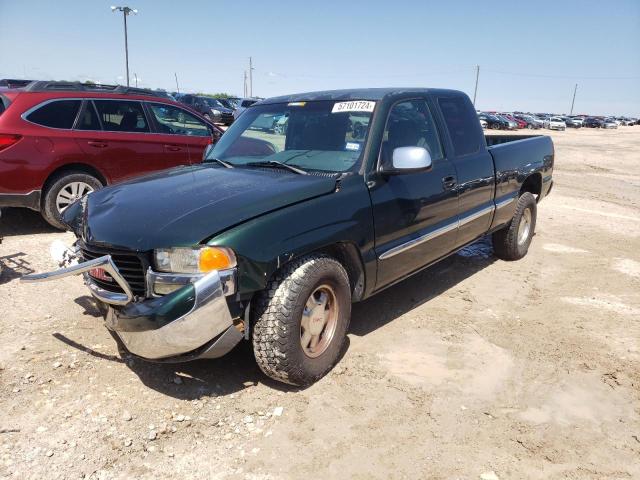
(191, 322)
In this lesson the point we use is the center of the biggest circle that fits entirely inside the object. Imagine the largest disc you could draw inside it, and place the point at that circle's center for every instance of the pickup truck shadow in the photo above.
(238, 370)
(420, 288)
(22, 221)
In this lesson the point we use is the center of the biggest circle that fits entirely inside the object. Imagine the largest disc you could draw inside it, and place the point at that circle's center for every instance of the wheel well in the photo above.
(533, 185)
(347, 254)
(73, 167)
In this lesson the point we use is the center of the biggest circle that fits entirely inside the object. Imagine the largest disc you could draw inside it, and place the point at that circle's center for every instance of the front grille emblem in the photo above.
(100, 274)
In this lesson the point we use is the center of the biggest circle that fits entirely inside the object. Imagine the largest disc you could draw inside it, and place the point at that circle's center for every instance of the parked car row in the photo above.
(61, 140)
(517, 120)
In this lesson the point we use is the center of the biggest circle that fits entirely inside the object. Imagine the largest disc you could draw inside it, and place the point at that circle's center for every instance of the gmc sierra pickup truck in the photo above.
(274, 236)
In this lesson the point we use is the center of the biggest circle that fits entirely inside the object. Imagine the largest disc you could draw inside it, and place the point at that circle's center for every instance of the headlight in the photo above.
(194, 260)
(215, 112)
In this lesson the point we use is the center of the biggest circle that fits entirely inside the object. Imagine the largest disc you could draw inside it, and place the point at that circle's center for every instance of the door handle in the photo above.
(97, 143)
(173, 148)
(449, 182)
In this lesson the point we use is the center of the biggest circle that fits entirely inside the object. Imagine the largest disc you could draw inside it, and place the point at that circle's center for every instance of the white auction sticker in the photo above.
(355, 106)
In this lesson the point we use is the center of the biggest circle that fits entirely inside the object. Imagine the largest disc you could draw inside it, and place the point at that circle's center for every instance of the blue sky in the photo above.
(530, 53)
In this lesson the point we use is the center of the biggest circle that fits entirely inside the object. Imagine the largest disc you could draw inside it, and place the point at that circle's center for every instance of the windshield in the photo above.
(211, 102)
(321, 135)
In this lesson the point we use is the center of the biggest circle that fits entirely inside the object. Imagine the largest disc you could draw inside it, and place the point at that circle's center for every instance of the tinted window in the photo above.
(461, 125)
(410, 124)
(122, 116)
(4, 103)
(173, 120)
(88, 118)
(57, 114)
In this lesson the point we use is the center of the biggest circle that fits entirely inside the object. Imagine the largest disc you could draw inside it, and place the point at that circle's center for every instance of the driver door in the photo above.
(415, 214)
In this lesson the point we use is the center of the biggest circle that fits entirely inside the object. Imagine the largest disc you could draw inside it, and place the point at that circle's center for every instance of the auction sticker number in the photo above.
(356, 106)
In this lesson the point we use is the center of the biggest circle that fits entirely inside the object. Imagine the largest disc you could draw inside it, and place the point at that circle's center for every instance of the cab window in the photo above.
(410, 124)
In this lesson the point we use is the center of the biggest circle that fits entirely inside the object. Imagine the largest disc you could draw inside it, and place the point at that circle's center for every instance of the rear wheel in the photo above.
(301, 320)
(512, 242)
(64, 189)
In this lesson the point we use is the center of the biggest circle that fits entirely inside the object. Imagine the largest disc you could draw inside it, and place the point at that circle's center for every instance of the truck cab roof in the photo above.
(372, 94)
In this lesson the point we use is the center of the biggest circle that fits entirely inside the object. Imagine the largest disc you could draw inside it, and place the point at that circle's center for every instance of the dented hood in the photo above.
(186, 205)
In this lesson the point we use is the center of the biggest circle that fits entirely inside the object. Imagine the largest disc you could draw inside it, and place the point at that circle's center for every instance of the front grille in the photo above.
(131, 265)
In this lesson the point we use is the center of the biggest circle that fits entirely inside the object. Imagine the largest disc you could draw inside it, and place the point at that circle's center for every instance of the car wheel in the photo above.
(301, 320)
(207, 116)
(63, 190)
(512, 242)
(529, 126)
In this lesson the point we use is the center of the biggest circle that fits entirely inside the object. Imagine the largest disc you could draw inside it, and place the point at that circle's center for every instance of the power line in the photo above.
(572, 77)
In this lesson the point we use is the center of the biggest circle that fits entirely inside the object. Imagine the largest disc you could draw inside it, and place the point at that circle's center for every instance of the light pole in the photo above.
(126, 11)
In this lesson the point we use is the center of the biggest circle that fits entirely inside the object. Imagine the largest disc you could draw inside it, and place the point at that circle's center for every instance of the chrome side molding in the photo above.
(106, 263)
(442, 230)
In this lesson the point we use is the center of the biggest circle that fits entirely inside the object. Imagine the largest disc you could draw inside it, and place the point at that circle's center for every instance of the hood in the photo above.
(186, 205)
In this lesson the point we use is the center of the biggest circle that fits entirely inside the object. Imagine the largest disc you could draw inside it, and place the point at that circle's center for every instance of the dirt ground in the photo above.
(475, 368)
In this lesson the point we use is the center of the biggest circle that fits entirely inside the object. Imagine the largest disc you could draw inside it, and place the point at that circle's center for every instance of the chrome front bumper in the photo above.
(191, 322)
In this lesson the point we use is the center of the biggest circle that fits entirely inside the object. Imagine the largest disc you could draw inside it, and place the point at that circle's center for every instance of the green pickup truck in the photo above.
(274, 236)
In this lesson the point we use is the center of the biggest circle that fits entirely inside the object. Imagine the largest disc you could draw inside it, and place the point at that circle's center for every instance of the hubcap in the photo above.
(525, 226)
(70, 193)
(319, 321)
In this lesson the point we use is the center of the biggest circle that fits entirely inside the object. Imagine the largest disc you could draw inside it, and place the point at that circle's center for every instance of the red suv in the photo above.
(60, 141)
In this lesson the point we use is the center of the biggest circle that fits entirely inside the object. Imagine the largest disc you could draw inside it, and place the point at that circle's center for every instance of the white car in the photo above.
(555, 123)
(243, 104)
(610, 123)
(484, 123)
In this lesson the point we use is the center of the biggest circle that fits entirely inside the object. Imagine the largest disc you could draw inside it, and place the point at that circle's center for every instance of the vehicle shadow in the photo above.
(22, 221)
(13, 266)
(377, 311)
(238, 369)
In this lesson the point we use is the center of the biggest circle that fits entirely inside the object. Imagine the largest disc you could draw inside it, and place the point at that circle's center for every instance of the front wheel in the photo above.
(301, 320)
(512, 242)
(63, 190)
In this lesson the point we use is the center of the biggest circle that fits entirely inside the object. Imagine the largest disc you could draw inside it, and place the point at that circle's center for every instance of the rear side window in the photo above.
(56, 114)
(122, 116)
(462, 124)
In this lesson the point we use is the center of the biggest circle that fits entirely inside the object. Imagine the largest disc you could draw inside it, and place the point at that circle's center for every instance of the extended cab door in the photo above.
(415, 214)
(467, 150)
(183, 135)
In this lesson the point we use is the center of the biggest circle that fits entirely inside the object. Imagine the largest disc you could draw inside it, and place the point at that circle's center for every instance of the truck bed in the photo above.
(515, 159)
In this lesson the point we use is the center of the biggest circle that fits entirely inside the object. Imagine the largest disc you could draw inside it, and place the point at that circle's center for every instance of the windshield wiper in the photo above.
(276, 164)
(221, 162)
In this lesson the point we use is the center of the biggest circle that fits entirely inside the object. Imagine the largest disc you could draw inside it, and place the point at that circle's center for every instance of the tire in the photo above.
(529, 126)
(512, 242)
(279, 327)
(64, 181)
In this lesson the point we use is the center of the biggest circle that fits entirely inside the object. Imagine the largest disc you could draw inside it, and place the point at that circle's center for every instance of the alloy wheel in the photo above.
(319, 321)
(70, 193)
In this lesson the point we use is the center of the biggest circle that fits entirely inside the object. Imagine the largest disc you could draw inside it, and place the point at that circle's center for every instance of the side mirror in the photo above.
(207, 150)
(409, 159)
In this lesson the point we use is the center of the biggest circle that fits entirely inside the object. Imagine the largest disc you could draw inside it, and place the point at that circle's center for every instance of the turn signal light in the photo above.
(213, 258)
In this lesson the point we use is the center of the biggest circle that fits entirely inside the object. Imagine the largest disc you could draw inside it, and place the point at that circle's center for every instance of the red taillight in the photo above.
(6, 140)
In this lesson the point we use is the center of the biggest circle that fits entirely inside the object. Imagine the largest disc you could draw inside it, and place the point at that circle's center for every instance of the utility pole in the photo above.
(475, 91)
(244, 91)
(574, 98)
(177, 86)
(250, 77)
(126, 11)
